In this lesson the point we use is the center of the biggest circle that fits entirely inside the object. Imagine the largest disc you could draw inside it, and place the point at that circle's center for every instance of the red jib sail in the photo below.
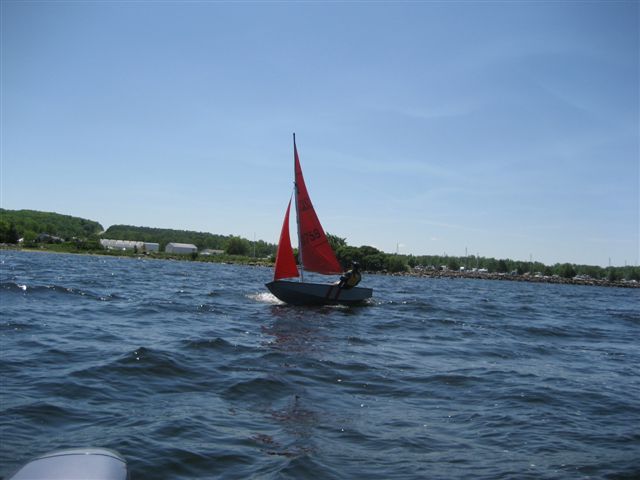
(285, 261)
(316, 252)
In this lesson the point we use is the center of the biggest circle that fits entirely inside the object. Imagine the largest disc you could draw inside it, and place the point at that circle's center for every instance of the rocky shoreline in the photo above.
(515, 278)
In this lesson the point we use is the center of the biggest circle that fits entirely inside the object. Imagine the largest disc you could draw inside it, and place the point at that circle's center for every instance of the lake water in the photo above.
(192, 370)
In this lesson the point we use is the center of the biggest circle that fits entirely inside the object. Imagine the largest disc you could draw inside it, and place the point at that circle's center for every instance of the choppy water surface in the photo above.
(192, 370)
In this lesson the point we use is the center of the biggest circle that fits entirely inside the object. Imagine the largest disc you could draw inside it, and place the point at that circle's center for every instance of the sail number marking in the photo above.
(311, 236)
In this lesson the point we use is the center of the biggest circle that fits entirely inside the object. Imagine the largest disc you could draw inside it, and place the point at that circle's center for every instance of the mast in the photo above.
(295, 189)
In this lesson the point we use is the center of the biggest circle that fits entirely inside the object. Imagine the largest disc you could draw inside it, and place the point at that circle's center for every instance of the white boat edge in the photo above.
(75, 464)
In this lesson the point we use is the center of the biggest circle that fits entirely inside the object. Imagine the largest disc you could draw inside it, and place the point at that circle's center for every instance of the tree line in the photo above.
(372, 259)
(230, 244)
(83, 234)
(29, 224)
(35, 227)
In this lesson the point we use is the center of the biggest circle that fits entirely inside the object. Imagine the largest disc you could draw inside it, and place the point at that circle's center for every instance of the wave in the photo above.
(13, 287)
(548, 331)
(17, 325)
(215, 344)
(44, 413)
(261, 389)
(144, 366)
(631, 316)
(38, 290)
(211, 308)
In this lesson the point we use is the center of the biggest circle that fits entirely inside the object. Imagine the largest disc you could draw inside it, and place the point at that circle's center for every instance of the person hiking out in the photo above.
(351, 278)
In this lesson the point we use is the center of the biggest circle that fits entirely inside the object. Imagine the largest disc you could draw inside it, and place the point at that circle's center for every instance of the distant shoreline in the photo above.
(414, 274)
(517, 278)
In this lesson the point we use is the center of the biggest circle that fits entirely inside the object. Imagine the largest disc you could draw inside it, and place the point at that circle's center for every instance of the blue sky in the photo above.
(507, 129)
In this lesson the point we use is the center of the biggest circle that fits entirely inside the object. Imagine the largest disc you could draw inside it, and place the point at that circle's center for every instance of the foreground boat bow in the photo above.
(75, 464)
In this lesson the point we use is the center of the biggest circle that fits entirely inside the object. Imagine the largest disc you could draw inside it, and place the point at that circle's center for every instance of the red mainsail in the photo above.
(315, 250)
(285, 261)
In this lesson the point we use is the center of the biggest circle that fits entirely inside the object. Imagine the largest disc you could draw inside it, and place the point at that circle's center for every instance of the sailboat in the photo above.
(315, 255)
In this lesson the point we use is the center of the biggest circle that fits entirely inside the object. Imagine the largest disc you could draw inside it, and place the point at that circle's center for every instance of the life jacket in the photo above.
(353, 279)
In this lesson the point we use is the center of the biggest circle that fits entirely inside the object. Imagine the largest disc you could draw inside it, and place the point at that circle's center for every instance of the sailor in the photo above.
(351, 278)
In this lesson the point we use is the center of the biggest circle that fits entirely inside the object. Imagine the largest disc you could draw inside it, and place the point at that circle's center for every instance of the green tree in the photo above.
(348, 254)
(375, 263)
(453, 264)
(396, 263)
(336, 242)
(237, 246)
(366, 250)
(29, 237)
(593, 272)
(633, 274)
(566, 270)
(502, 266)
(64, 226)
(90, 243)
(8, 233)
(613, 275)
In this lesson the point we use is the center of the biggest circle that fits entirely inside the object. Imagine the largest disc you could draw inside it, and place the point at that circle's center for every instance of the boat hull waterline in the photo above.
(304, 293)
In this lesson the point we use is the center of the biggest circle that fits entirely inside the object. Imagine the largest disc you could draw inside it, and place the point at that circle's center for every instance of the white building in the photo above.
(183, 248)
(129, 245)
(120, 244)
(210, 251)
(151, 247)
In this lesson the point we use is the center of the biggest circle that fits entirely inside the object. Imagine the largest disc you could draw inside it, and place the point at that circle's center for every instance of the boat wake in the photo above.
(265, 297)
